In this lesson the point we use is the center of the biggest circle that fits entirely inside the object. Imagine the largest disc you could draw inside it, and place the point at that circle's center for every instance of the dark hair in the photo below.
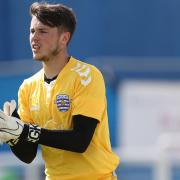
(54, 15)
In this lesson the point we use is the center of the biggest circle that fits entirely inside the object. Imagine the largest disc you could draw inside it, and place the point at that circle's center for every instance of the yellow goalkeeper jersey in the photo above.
(78, 90)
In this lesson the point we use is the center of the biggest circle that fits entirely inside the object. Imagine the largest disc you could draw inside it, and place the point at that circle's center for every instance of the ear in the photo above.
(65, 37)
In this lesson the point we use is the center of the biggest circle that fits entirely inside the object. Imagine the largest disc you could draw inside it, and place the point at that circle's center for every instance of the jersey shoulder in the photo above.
(34, 79)
(81, 65)
(86, 72)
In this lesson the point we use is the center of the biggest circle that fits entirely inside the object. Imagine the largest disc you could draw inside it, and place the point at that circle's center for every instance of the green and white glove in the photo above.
(10, 127)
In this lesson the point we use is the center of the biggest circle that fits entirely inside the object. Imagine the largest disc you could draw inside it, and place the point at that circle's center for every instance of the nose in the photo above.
(35, 36)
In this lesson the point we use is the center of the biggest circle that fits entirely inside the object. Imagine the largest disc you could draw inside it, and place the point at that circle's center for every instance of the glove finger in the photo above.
(6, 108)
(12, 106)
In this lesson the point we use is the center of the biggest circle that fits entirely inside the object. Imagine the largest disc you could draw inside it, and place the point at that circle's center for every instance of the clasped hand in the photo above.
(10, 127)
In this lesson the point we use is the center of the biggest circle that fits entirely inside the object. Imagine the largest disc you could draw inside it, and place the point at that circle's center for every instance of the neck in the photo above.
(54, 66)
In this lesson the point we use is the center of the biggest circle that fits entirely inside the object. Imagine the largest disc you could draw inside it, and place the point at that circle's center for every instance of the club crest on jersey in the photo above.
(63, 102)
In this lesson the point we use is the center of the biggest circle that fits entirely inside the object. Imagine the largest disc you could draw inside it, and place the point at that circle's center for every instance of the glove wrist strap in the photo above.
(34, 133)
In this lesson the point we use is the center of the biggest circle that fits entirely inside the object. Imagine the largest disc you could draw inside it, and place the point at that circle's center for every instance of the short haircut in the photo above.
(54, 15)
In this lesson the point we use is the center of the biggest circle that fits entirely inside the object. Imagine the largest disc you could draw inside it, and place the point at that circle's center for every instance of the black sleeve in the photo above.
(24, 150)
(76, 140)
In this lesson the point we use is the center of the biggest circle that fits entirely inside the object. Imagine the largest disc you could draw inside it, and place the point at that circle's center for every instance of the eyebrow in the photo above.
(40, 28)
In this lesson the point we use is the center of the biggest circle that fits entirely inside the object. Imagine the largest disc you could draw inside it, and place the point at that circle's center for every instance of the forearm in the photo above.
(76, 140)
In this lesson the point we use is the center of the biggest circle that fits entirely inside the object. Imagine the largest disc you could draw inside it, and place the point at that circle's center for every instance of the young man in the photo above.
(62, 107)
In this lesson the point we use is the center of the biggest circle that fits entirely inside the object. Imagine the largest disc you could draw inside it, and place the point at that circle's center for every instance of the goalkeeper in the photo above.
(62, 107)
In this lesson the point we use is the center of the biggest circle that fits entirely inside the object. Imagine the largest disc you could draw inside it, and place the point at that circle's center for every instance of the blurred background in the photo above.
(136, 45)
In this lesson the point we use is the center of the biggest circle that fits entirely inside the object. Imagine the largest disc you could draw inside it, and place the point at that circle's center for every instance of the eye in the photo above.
(32, 31)
(43, 31)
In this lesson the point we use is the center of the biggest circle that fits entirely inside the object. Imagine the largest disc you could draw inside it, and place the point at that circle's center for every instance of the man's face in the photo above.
(45, 41)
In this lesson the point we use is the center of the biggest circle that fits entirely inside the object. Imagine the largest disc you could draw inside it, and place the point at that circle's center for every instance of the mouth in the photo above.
(35, 47)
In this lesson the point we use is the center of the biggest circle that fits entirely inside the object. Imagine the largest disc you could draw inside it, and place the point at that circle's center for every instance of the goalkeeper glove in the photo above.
(10, 127)
(13, 129)
(9, 108)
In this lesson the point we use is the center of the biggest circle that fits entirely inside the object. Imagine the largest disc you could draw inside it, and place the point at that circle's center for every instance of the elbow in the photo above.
(27, 160)
(80, 150)
(30, 159)
(82, 147)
